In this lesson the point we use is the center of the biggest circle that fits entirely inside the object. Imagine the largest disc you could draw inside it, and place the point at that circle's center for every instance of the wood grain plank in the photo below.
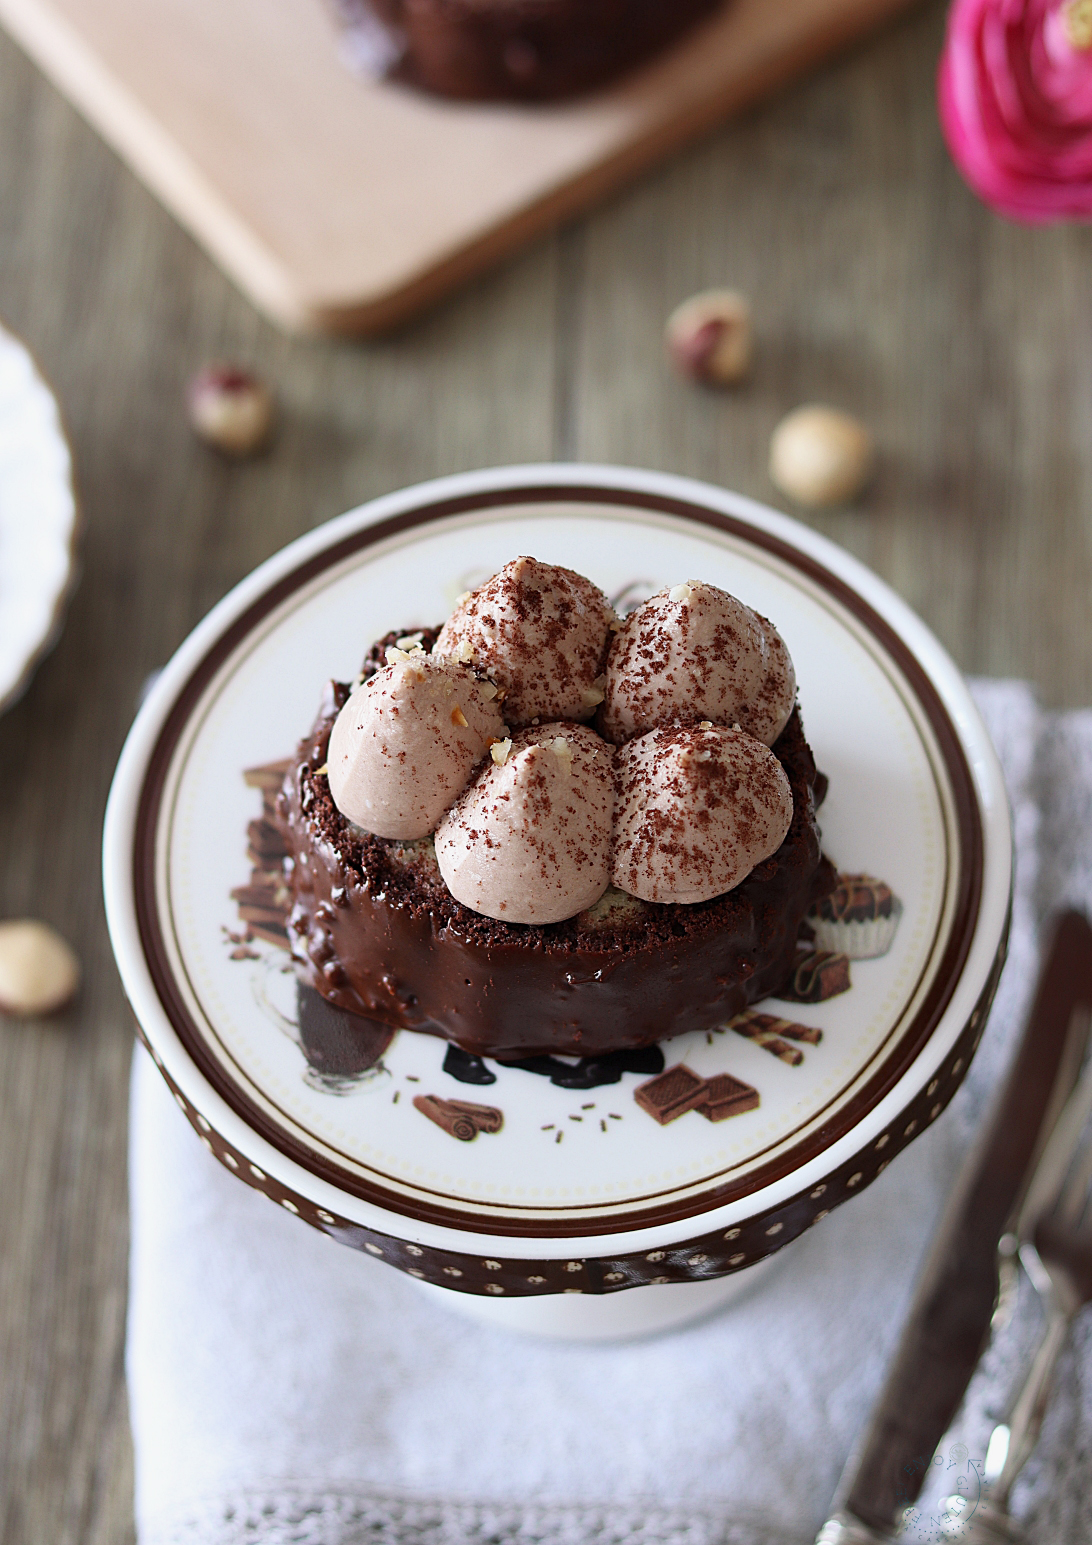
(120, 307)
(881, 285)
(341, 204)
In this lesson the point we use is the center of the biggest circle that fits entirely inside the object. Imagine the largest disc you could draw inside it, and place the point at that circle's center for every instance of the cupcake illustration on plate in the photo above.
(859, 917)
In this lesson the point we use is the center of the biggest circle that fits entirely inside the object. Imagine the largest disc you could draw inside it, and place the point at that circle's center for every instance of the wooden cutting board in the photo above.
(344, 205)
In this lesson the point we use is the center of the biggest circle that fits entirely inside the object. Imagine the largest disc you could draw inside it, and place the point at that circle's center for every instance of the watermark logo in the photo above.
(947, 1518)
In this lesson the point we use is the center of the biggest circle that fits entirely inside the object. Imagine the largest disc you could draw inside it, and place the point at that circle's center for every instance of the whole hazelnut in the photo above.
(38, 971)
(709, 338)
(820, 456)
(230, 409)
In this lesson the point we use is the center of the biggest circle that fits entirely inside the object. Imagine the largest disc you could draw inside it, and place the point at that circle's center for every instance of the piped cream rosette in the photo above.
(484, 743)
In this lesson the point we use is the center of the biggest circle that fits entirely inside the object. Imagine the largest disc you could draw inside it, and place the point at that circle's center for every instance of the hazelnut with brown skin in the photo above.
(709, 337)
(231, 409)
(820, 456)
(39, 972)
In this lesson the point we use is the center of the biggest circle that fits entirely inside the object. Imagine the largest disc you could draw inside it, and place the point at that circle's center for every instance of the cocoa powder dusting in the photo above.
(541, 633)
(696, 810)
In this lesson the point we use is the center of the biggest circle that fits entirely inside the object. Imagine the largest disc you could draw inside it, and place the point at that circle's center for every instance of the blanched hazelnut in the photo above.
(1077, 24)
(709, 337)
(230, 409)
(38, 971)
(820, 455)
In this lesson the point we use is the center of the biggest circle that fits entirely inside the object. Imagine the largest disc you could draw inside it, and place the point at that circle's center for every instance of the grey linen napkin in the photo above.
(285, 1389)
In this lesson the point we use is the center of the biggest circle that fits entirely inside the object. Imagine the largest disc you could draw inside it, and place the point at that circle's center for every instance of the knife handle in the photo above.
(949, 1321)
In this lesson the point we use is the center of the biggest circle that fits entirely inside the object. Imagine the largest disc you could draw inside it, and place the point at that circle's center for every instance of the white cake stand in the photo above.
(566, 1200)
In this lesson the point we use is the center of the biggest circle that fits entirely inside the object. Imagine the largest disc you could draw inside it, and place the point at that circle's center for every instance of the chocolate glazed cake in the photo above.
(529, 49)
(379, 934)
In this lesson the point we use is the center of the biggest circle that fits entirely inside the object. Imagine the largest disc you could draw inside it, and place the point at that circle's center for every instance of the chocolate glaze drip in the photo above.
(587, 1073)
(467, 1068)
(380, 935)
(592, 1072)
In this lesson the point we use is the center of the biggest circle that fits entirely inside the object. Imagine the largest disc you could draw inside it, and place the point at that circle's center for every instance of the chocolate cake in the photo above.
(523, 49)
(379, 934)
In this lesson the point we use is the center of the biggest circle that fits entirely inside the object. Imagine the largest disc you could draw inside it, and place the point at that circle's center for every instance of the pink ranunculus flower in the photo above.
(1015, 95)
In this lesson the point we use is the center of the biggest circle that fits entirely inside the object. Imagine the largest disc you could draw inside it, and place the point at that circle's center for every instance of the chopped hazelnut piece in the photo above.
(595, 694)
(499, 751)
(681, 592)
(458, 717)
(563, 750)
(404, 657)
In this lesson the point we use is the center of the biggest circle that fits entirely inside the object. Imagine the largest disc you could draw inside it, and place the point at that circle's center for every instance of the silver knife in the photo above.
(954, 1299)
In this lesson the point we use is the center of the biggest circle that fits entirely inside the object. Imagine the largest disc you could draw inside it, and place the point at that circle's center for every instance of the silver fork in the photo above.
(1053, 1238)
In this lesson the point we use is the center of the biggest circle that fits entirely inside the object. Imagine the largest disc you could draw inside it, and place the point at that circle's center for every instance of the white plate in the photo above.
(580, 1188)
(37, 519)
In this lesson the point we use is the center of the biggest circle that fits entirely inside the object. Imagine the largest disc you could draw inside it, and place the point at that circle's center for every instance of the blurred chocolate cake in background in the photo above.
(531, 50)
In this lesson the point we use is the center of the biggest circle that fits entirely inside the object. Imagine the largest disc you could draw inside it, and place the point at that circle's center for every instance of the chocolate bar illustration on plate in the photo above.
(264, 904)
(726, 1095)
(679, 1089)
(816, 976)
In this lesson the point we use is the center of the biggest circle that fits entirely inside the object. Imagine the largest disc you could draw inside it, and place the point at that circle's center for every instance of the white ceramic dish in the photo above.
(37, 519)
(581, 1193)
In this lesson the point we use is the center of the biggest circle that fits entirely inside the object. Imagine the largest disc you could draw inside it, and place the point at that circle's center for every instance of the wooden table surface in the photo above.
(878, 283)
